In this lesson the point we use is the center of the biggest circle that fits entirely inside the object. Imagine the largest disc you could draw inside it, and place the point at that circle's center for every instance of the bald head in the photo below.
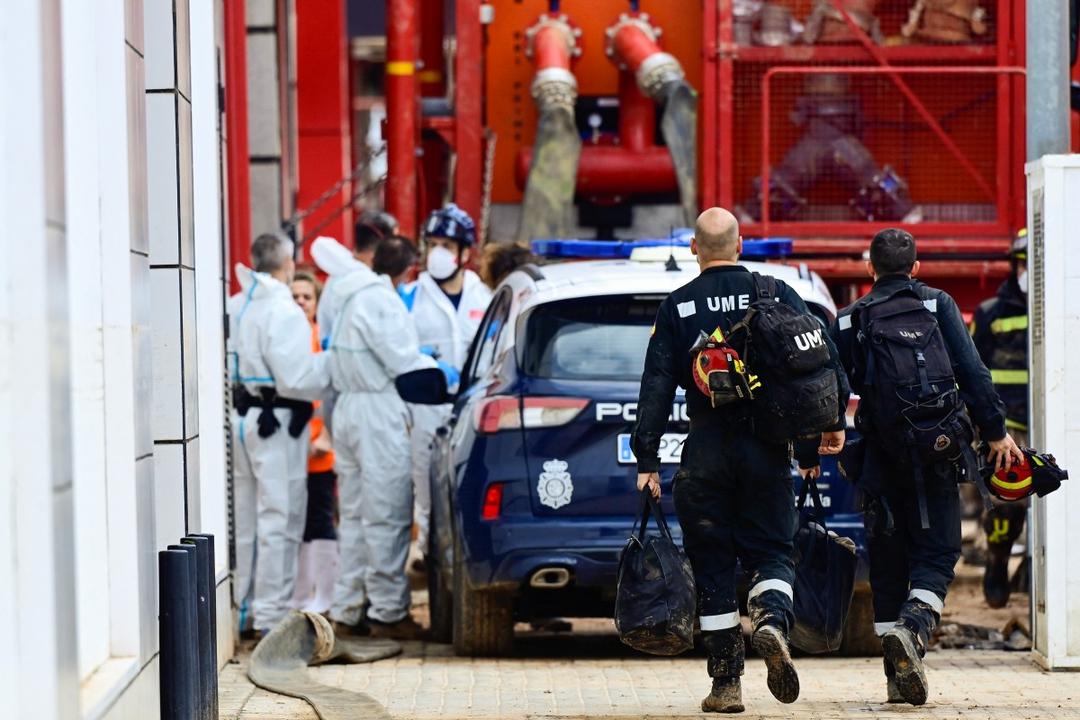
(717, 234)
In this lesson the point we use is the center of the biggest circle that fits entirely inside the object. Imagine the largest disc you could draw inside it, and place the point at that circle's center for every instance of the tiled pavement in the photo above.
(596, 678)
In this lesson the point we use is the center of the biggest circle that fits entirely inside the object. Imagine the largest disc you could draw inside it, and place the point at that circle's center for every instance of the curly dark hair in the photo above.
(501, 258)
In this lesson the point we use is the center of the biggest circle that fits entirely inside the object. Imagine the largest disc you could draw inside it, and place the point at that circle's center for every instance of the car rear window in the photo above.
(601, 338)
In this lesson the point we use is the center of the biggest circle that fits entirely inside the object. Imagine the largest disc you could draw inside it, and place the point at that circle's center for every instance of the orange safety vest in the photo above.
(318, 463)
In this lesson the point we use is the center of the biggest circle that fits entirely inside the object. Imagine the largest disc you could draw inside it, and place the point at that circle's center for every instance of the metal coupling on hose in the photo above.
(554, 87)
(657, 72)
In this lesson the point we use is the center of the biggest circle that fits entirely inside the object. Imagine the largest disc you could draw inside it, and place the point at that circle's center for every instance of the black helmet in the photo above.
(451, 222)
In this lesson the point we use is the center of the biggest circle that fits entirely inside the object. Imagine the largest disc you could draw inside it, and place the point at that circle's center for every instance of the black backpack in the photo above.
(908, 391)
(788, 352)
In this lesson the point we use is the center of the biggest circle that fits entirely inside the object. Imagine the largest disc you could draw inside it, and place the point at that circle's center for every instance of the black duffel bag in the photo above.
(656, 600)
(825, 567)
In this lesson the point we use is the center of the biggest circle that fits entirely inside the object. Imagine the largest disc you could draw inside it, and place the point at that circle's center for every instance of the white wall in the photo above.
(84, 248)
(38, 660)
(210, 279)
(112, 422)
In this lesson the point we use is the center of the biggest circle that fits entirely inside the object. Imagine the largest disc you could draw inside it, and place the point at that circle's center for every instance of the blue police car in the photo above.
(533, 479)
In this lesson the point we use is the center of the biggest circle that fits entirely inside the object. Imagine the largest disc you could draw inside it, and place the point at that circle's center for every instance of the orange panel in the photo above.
(509, 108)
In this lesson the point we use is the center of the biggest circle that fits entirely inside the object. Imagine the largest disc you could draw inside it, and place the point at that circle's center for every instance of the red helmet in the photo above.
(1038, 474)
(718, 371)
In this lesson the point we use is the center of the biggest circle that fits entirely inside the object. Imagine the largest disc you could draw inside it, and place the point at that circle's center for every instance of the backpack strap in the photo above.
(764, 289)
(862, 358)
(764, 286)
(920, 491)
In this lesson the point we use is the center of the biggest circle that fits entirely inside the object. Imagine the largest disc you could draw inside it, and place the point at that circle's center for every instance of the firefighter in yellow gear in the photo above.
(1000, 332)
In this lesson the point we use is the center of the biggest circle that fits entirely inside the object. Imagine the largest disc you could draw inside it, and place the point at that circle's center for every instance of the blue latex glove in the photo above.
(407, 295)
(430, 351)
(325, 344)
(453, 377)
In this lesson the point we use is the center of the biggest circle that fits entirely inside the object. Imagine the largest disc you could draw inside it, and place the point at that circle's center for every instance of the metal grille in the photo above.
(852, 147)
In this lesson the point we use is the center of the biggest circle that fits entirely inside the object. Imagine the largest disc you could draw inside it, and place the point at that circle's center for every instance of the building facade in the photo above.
(112, 371)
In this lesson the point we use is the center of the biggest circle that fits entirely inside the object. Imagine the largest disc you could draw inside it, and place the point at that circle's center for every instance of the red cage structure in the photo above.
(818, 120)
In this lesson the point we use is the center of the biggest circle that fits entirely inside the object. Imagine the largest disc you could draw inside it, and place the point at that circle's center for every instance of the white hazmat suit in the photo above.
(448, 331)
(373, 341)
(270, 346)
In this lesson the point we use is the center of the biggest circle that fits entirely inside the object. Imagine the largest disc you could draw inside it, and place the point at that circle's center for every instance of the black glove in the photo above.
(268, 422)
(301, 413)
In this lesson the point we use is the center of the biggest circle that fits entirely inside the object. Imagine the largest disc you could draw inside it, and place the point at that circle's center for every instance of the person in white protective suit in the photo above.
(372, 343)
(336, 260)
(447, 302)
(275, 377)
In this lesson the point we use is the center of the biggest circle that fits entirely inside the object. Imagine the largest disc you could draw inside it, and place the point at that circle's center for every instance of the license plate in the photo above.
(671, 445)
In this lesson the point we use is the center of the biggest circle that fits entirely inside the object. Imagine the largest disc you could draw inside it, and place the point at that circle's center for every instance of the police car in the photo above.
(533, 479)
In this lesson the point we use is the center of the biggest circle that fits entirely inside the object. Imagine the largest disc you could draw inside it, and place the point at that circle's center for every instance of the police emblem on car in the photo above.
(556, 487)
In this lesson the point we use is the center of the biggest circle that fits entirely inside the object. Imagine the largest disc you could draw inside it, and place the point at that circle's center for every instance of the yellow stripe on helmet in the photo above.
(1021, 485)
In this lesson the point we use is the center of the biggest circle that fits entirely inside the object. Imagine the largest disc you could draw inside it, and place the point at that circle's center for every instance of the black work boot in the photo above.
(727, 660)
(772, 645)
(902, 651)
(726, 696)
(893, 691)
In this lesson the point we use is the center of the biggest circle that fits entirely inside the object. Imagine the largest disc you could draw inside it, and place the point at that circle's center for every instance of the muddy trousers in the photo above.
(911, 567)
(734, 499)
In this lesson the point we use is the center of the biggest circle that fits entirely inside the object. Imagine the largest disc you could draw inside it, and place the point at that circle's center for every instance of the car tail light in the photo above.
(503, 412)
(492, 502)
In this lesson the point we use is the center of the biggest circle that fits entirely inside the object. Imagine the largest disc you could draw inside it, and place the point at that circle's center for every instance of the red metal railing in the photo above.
(238, 180)
(893, 71)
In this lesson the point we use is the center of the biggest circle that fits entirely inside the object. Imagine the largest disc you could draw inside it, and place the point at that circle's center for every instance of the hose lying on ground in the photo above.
(280, 661)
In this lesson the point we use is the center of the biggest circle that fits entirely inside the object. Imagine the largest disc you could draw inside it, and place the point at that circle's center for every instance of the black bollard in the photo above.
(176, 630)
(192, 638)
(212, 610)
(204, 585)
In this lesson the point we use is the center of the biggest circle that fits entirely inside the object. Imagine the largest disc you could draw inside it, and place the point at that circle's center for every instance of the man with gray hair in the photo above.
(275, 376)
(733, 492)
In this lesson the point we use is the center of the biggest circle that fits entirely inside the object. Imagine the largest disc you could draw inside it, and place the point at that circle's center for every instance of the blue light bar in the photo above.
(764, 248)
(599, 249)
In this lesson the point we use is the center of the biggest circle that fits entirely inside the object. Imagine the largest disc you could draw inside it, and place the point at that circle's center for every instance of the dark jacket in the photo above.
(718, 297)
(976, 388)
(1000, 332)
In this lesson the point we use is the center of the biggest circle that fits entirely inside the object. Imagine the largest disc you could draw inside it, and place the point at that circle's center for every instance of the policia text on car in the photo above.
(919, 376)
(733, 492)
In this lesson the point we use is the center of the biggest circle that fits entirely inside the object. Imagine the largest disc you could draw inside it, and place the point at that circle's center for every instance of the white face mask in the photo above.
(1022, 281)
(441, 263)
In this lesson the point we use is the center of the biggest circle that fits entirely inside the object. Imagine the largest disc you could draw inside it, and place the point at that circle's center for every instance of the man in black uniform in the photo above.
(733, 492)
(913, 527)
(1000, 332)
